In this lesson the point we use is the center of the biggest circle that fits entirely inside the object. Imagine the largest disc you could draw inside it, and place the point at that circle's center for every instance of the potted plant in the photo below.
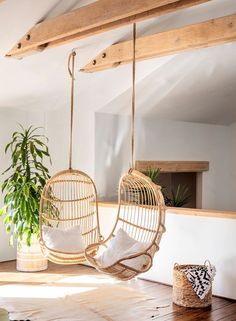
(22, 189)
(181, 196)
(178, 198)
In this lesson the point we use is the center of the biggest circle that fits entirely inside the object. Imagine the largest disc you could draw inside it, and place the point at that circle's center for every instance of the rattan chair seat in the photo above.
(69, 199)
(141, 214)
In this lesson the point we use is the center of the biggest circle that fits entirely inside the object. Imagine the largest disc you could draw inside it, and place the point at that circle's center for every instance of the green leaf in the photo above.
(15, 156)
(7, 146)
(2, 210)
(153, 174)
(39, 152)
(32, 148)
(23, 186)
(8, 228)
(4, 185)
(180, 197)
(6, 219)
(7, 170)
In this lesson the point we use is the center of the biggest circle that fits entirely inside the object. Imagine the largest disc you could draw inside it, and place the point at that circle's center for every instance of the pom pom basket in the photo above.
(183, 293)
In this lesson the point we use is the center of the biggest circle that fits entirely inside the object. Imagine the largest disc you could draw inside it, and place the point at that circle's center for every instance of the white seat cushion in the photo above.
(69, 240)
(121, 246)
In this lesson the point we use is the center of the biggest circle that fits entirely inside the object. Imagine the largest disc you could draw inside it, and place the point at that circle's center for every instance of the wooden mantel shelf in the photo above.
(173, 166)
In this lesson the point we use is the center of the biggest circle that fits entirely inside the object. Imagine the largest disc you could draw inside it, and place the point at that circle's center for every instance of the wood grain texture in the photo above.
(184, 211)
(221, 309)
(173, 166)
(202, 35)
(100, 16)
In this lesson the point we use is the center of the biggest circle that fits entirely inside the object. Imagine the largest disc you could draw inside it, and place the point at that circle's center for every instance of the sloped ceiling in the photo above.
(197, 86)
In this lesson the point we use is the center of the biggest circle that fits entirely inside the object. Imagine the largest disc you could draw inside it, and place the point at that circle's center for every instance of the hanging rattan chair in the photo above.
(141, 214)
(69, 199)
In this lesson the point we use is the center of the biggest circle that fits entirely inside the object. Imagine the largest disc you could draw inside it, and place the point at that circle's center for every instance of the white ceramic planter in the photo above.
(4, 315)
(30, 258)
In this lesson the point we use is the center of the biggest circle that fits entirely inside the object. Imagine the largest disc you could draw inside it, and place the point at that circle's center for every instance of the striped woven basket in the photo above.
(183, 293)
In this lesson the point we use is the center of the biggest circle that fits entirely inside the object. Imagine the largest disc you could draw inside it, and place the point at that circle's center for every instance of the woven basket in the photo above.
(183, 293)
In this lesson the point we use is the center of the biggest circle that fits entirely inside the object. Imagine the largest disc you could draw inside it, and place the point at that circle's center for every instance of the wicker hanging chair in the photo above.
(141, 214)
(69, 199)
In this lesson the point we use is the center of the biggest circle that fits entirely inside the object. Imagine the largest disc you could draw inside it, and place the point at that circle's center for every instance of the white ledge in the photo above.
(185, 211)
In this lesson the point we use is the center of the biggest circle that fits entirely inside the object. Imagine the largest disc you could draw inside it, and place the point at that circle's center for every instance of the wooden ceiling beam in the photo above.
(98, 17)
(202, 35)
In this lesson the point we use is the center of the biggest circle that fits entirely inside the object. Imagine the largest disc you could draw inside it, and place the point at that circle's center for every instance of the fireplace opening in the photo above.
(179, 189)
(181, 181)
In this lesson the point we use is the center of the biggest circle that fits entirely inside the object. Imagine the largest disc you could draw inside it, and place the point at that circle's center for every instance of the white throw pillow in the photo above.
(69, 240)
(121, 246)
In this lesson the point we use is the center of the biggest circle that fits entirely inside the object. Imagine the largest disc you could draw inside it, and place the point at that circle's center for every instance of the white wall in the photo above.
(9, 120)
(232, 167)
(190, 239)
(165, 140)
(112, 152)
(56, 124)
(174, 140)
(102, 149)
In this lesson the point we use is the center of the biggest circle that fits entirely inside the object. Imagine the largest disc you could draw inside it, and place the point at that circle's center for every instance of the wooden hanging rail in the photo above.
(98, 17)
(202, 35)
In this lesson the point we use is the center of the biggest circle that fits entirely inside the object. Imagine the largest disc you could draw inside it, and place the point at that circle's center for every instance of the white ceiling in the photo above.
(197, 86)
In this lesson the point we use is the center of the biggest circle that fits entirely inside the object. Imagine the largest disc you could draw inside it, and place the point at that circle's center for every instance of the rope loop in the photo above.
(71, 70)
(133, 97)
(208, 263)
(70, 61)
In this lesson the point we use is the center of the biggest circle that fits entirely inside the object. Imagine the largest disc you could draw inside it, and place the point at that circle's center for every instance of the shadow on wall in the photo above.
(112, 153)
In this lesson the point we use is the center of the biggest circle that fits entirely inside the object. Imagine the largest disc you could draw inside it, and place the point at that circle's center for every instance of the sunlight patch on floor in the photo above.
(66, 285)
(41, 291)
(72, 296)
(88, 279)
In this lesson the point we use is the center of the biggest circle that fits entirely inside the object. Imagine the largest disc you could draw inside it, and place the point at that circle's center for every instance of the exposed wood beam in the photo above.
(98, 17)
(201, 35)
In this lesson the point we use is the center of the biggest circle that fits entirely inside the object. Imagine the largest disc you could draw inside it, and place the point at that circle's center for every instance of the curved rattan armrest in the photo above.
(94, 246)
(130, 257)
(91, 251)
(93, 260)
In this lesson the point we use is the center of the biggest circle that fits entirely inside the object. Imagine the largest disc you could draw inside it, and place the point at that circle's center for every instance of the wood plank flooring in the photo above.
(221, 309)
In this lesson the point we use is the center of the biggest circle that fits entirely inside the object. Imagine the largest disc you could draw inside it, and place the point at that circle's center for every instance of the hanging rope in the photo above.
(71, 69)
(133, 97)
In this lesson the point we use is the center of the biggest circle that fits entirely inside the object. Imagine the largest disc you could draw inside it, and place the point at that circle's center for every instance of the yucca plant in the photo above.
(153, 174)
(23, 187)
(181, 196)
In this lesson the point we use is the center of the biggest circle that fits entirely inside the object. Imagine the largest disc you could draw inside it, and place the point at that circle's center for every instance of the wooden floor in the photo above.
(221, 309)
